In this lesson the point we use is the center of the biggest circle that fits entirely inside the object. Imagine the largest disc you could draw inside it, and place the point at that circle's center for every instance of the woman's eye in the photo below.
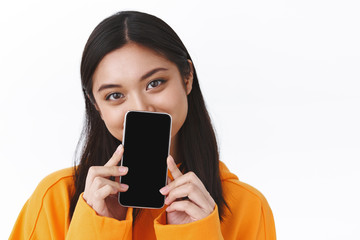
(114, 96)
(154, 84)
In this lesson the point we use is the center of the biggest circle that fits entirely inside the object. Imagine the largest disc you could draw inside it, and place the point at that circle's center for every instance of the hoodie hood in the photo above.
(225, 174)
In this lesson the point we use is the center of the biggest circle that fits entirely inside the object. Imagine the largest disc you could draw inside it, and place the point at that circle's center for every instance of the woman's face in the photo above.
(134, 77)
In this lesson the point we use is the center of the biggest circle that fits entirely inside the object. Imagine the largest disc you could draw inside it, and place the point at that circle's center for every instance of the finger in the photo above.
(101, 194)
(167, 182)
(104, 192)
(189, 208)
(102, 171)
(100, 182)
(116, 157)
(191, 192)
(184, 179)
(175, 172)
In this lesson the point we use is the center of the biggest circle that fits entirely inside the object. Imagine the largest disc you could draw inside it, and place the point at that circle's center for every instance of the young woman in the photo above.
(135, 61)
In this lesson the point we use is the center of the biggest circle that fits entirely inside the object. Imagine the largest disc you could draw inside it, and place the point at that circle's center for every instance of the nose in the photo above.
(141, 103)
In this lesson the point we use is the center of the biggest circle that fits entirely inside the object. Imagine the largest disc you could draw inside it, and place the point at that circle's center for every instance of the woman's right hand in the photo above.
(101, 192)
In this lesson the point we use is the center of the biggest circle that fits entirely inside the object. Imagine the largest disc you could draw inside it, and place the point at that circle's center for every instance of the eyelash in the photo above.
(111, 94)
(161, 81)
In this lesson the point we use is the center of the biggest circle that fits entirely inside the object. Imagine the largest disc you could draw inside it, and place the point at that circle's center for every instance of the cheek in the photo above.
(176, 105)
(179, 115)
(114, 121)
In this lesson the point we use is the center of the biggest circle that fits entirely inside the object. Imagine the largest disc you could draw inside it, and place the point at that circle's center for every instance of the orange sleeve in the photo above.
(46, 215)
(86, 224)
(249, 217)
(207, 228)
(21, 229)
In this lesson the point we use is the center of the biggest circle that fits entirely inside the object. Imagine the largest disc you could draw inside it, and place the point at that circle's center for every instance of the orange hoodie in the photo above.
(46, 216)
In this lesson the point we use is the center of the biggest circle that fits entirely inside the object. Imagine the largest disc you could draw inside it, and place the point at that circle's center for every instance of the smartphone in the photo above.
(146, 141)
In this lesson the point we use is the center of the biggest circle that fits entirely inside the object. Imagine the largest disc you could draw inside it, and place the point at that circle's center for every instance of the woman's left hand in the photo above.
(187, 198)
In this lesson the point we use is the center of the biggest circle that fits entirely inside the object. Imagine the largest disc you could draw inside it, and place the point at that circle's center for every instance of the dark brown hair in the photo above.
(197, 147)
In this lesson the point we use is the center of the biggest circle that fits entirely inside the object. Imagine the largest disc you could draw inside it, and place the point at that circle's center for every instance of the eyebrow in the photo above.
(145, 76)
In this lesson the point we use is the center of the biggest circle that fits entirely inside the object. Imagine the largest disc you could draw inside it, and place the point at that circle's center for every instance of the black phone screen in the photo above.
(146, 147)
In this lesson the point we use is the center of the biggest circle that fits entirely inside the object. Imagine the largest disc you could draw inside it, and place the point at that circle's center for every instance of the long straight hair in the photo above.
(196, 148)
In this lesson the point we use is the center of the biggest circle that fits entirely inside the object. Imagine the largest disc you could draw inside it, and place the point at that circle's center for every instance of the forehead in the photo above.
(129, 62)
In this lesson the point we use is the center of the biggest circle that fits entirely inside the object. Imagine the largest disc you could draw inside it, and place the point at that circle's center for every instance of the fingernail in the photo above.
(124, 187)
(119, 148)
(164, 190)
(123, 169)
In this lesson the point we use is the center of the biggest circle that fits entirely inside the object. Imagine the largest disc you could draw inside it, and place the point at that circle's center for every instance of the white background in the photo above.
(281, 80)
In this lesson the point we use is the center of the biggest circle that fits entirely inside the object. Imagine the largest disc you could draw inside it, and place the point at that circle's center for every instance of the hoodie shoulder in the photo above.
(232, 185)
(248, 215)
(60, 177)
